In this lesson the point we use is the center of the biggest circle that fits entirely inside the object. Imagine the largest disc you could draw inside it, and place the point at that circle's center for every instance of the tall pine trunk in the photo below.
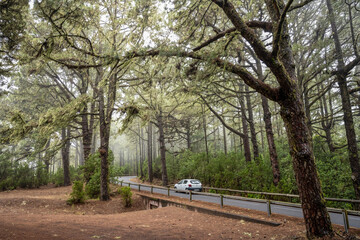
(251, 124)
(65, 153)
(270, 140)
(244, 124)
(103, 149)
(149, 153)
(162, 148)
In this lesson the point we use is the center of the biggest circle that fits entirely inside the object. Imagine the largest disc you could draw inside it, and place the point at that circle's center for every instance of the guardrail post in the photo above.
(152, 189)
(129, 184)
(268, 204)
(190, 196)
(221, 201)
(168, 191)
(346, 220)
(121, 182)
(139, 187)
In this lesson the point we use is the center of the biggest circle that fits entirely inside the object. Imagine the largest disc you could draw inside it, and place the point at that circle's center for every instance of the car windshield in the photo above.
(195, 181)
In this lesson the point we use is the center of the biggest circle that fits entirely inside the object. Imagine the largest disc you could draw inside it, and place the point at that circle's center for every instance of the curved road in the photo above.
(336, 218)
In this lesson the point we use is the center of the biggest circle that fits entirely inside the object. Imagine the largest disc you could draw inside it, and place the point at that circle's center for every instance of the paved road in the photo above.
(336, 218)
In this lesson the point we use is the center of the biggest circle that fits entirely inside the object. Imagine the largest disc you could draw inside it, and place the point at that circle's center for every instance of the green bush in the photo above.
(57, 178)
(42, 177)
(78, 194)
(25, 176)
(126, 195)
(92, 169)
(92, 188)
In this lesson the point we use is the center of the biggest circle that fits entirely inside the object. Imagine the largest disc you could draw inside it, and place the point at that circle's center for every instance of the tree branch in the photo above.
(279, 29)
(266, 26)
(248, 78)
(222, 120)
(300, 5)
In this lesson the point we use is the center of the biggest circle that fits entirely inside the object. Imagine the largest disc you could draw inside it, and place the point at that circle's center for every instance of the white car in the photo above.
(189, 184)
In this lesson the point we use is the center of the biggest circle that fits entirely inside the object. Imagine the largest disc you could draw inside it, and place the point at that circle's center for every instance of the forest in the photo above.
(250, 95)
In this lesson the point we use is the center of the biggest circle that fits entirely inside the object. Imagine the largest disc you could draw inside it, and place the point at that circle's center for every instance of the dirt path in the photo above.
(43, 214)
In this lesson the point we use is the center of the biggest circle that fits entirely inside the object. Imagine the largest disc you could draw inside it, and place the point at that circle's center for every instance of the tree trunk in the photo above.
(251, 124)
(270, 140)
(103, 149)
(326, 121)
(149, 153)
(346, 105)
(162, 148)
(105, 114)
(86, 137)
(225, 141)
(188, 133)
(141, 152)
(245, 131)
(47, 157)
(316, 217)
(205, 132)
(269, 130)
(154, 149)
(65, 152)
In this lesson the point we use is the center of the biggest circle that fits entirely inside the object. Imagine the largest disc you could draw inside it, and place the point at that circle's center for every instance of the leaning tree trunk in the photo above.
(162, 149)
(316, 217)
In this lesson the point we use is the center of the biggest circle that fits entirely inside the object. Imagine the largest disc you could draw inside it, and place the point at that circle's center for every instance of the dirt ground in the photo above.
(43, 214)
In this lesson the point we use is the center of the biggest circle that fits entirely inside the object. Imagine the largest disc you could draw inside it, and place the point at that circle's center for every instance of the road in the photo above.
(294, 211)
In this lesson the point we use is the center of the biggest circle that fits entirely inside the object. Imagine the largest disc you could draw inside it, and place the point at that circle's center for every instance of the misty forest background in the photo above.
(75, 74)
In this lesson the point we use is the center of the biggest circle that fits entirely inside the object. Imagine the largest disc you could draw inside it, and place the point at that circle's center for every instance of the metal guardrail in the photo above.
(280, 194)
(268, 202)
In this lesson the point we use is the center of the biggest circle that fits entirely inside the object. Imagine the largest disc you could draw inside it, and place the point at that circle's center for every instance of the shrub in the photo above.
(25, 176)
(58, 177)
(92, 188)
(126, 195)
(92, 169)
(78, 194)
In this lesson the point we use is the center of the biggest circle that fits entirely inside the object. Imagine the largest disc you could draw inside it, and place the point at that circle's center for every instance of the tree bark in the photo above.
(47, 157)
(65, 153)
(245, 130)
(205, 132)
(188, 133)
(251, 124)
(225, 141)
(162, 148)
(141, 152)
(105, 114)
(326, 121)
(149, 153)
(316, 217)
(103, 149)
(270, 140)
